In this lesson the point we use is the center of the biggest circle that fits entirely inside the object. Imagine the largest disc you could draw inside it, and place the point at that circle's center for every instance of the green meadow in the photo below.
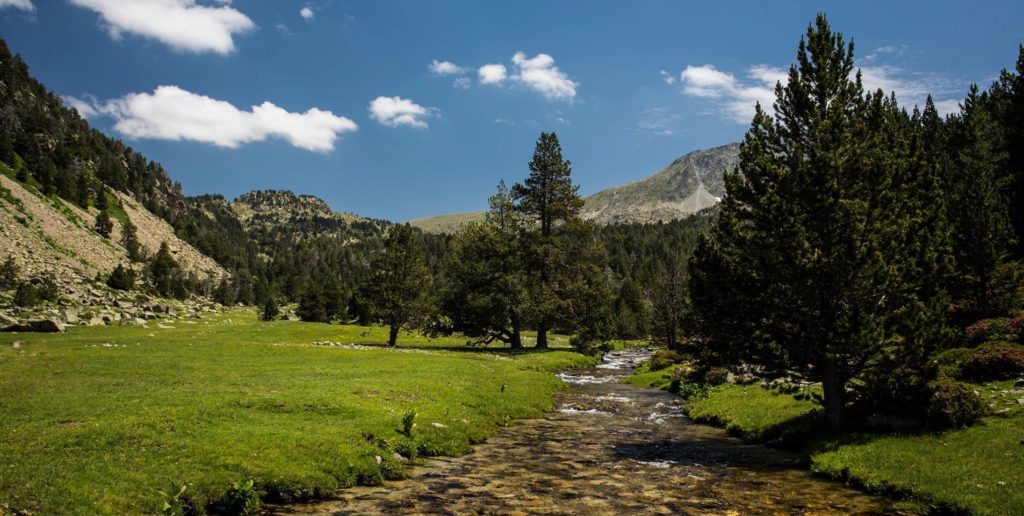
(974, 470)
(101, 419)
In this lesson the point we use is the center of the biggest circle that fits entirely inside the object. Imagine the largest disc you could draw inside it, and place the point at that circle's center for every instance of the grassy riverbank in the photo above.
(976, 469)
(100, 419)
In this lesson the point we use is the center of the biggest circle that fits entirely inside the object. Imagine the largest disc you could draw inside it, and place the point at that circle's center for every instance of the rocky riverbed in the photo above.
(608, 448)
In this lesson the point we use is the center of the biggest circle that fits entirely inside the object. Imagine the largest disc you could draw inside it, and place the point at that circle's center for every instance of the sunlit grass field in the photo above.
(99, 419)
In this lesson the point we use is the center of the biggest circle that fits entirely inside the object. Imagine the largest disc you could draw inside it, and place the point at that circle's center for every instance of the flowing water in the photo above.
(608, 449)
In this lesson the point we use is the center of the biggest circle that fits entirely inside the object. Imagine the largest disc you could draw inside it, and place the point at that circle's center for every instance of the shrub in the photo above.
(716, 376)
(953, 404)
(663, 359)
(26, 295)
(993, 361)
(121, 278)
(995, 329)
(948, 361)
(269, 311)
(47, 289)
(8, 273)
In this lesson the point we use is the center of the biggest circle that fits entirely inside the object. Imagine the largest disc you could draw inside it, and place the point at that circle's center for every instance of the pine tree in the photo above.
(103, 224)
(269, 311)
(808, 270)
(130, 241)
(121, 278)
(667, 297)
(164, 271)
(7, 148)
(485, 297)
(982, 228)
(547, 199)
(397, 287)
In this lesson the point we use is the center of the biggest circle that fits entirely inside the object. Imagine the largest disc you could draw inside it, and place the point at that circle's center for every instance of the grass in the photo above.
(660, 379)
(977, 469)
(99, 419)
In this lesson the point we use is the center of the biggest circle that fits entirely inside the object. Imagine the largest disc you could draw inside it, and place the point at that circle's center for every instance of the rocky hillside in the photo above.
(690, 184)
(271, 216)
(48, 236)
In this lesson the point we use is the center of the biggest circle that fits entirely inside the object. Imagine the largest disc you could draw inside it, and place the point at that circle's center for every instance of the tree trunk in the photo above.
(835, 398)
(393, 335)
(517, 340)
(542, 336)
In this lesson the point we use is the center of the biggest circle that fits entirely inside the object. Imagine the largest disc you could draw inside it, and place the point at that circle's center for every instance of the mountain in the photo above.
(690, 184)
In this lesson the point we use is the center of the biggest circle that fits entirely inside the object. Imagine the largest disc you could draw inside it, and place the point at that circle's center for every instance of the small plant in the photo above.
(241, 498)
(993, 361)
(408, 423)
(177, 501)
(953, 404)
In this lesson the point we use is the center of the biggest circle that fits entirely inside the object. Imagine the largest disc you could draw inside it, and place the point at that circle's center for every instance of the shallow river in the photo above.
(608, 449)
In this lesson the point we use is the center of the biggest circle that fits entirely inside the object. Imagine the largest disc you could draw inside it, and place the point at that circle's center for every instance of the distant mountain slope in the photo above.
(690, 184)
(446, 223)
(48, 236)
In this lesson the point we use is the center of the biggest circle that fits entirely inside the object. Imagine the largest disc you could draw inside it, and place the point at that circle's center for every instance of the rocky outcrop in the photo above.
(690, 184)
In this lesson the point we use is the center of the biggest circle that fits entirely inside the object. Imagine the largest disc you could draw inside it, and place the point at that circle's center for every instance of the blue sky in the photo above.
(340, 99)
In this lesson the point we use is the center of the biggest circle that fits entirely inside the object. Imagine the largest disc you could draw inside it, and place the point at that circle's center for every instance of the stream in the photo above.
(608, 448)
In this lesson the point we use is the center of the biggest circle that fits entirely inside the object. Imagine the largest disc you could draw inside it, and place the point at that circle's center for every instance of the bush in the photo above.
(996, 329)
(993, 361)
(663, 359)
(953, 404)
(716, 376)
(269, 311)
(948, 361)
(121, 278)
(8, 273)
(26, 295)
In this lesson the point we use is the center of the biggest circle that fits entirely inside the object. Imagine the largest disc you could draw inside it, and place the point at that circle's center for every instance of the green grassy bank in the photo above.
(99, 419)
(976, 470)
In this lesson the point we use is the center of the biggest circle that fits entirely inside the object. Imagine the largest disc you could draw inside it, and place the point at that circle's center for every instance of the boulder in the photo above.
(45, 326)
(149, 316)
(71, 317)
(95, 321)
(6, 320)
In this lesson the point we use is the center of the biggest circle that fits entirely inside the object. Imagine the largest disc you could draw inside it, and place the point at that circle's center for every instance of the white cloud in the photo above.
(24, 5)
(396, 111)
(736, 98)
(462, 83)
(947, 107)
(86, 106)
(540, 74)
(658, 121)
(446, 68)
(182, 24)
(171, 113)
(667, 77)
(492, 73)
(306, 13)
